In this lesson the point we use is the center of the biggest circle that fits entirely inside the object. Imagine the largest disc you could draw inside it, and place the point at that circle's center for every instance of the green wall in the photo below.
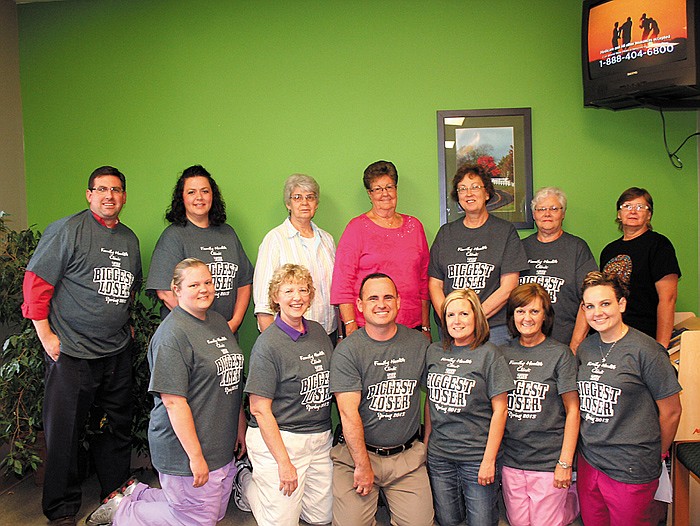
(255, 91)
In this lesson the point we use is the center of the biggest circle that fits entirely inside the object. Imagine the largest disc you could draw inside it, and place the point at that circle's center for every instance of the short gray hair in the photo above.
(548, 191)
(303, 181)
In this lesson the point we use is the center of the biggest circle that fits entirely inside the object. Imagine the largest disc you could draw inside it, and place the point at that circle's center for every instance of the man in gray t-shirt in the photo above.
(78, 288)
(375, 375)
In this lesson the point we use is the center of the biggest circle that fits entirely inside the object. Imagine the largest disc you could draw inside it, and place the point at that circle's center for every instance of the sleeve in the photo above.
(168, 253)
(514, 256)
(37, 297)
(245, 267)
(345, 376)
(658, 374)
(663, 260)
(170, 373)
(424, 262)
(263, 373)
(268, 260)
(435, 267)
(53, 253)
(345, 270)
(585, 263)
(500, 379)
(566, 371)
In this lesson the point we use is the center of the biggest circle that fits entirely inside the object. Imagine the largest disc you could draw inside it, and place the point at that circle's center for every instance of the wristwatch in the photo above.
(563, 464)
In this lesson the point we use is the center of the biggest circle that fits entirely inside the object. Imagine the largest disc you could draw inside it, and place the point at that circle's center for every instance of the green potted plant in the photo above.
(22, 362)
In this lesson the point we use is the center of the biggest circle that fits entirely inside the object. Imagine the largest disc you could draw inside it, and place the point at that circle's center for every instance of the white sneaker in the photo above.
(104, 514)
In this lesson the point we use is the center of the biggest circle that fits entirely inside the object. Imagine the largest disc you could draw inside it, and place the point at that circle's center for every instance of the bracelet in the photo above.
(348, 322)
(563, 464)
(425, 328)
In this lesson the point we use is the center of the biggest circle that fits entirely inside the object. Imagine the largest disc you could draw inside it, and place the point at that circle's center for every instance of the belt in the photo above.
(386, 451)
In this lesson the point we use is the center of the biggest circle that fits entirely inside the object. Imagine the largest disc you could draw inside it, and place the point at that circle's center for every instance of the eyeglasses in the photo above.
(310, 198)
(464, 189)
(543, 209)
(289, 293)
(629, 207)
(378, 190)
(105, 189)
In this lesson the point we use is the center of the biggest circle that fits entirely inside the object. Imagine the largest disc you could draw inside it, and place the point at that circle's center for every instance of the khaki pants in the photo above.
(402, 478)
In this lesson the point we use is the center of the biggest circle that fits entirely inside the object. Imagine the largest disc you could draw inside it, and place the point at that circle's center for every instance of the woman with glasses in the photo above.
(383, 240)
(479, 251)
(543, 416)
(558, 261)
(199, 229)
(289, 437)
(298, 240)
(630, 409)
(646, 262)
(465, 414)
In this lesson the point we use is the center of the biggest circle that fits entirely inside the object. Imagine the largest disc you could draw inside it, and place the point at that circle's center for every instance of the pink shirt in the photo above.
(401, 253)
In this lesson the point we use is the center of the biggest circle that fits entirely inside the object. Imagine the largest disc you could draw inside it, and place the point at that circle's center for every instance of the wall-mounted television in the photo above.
(640, 53)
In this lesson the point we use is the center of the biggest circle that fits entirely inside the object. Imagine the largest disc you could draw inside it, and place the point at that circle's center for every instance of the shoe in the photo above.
(242, 466)
(129, 486)
(63, 521)
(103, 515)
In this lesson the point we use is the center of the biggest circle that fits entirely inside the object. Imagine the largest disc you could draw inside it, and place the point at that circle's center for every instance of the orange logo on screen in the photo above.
(669, 14)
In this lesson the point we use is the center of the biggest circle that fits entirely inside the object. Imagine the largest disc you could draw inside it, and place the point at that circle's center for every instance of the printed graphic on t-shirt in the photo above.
(447, 391)
(223, 273)
(621, 266)
(315, 388)
(391, 398)
(552, 284)
(598, 400)
(113, 282)
(228, 366)
(525, 400)
(472, 274)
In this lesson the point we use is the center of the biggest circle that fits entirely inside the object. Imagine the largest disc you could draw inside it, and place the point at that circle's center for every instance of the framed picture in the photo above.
(501, 140)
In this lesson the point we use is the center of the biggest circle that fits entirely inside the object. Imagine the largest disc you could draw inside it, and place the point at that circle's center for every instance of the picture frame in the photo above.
(502, 140)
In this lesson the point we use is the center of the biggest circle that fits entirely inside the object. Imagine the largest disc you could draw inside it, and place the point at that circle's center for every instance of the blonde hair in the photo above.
(180, 268)
(481, 324)
(289, 273)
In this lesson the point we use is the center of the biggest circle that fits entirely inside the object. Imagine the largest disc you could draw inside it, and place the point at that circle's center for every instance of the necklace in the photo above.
(604, 357)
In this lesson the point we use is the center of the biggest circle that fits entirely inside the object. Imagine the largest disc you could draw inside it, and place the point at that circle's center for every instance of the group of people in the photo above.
(507, 401)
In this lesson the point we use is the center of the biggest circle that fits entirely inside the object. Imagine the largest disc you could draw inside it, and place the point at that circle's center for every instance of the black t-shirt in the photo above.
(641, 262)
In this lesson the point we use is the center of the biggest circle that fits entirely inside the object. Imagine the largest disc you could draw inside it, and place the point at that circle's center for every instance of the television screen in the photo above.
(627, 35)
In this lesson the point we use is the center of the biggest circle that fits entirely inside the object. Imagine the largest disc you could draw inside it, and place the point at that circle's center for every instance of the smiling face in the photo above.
(379, 302)
(293, 299)
(195, 294)
(603, 311)
(302, 209)
(459, 317)
(529, 318)
(472, 200)
(106, 205)
(197, 196)
(383, 194)
(548, 221)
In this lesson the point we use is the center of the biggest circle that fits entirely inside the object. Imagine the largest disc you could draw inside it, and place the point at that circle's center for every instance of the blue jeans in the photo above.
(457, 494)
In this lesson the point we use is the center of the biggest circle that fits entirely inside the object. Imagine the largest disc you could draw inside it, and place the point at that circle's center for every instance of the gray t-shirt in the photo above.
(94, 270)
(559, 266)
(536, 415)
(620, 433)
(476, 258)
(200, 360)
(461, 383)
(294, 375)
(387, 374)
(218, 246)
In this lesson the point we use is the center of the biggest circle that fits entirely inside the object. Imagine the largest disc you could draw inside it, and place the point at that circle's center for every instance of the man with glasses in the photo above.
(78, 288)
(375, 376)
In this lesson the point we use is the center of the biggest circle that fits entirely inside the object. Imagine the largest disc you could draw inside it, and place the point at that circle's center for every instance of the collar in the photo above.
(291, 231)
(102, 221)
(289, 330)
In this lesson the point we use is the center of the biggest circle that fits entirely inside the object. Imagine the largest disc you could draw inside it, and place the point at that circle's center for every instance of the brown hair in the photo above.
(634, 192)
(472, 170)
(601, 279)
(523, 295)
(481, 324)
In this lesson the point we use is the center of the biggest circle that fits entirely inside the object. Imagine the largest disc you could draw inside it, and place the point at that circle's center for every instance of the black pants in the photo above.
(72, 386)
